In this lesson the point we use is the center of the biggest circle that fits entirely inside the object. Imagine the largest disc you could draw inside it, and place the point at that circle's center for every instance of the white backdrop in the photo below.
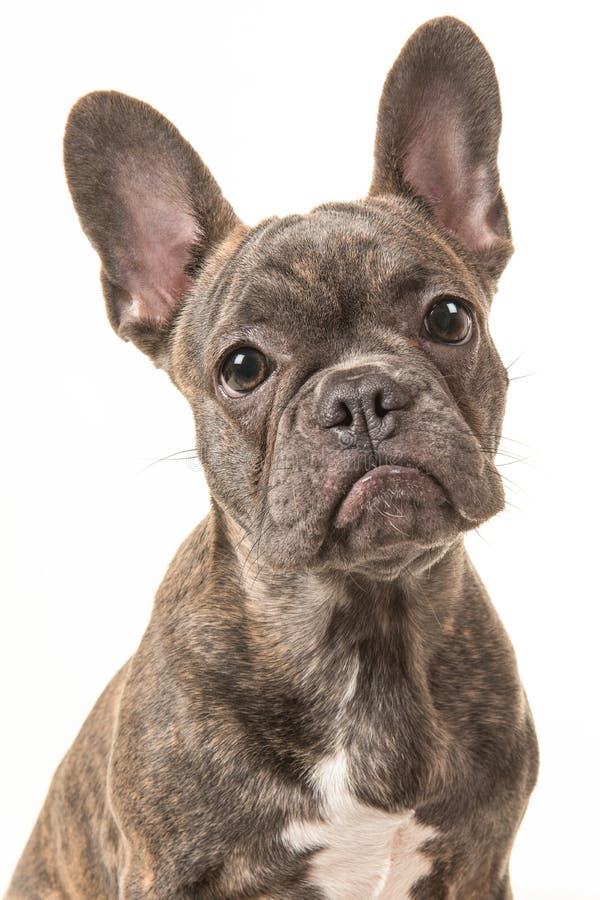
(280, 100)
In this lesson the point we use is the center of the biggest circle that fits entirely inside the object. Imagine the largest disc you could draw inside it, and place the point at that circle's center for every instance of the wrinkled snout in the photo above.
(373, 454)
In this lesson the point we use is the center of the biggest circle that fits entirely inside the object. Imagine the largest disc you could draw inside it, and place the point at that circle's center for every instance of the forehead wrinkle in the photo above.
(338, 240)
(352, 255)
(451, 257)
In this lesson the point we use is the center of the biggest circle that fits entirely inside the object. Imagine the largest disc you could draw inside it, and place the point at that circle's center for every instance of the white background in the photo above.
(280, 100)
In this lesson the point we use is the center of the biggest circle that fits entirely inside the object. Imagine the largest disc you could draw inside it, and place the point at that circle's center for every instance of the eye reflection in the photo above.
(449, 321)
(243, 371)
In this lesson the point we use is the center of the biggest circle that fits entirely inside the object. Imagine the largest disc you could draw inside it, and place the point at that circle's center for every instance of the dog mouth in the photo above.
(388, 487)
(358, 506)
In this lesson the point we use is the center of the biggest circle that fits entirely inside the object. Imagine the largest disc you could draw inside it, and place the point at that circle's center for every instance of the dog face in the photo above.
(347, 395)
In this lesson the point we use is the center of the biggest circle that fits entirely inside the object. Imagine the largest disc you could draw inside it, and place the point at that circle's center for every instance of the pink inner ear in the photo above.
(438, 169)
(159, 234)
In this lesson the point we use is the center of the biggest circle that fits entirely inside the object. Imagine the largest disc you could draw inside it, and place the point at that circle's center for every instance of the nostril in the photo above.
(336, 414)
(387, 399)
(378, 405)
(343, 417)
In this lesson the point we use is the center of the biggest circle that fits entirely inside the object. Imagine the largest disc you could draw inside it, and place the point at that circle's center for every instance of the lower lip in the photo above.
(373, 483)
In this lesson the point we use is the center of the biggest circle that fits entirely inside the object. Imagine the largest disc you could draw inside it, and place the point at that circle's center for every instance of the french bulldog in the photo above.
(325, 703)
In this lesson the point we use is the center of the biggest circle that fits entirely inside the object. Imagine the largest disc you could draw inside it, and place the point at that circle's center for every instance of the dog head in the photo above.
(347, 395)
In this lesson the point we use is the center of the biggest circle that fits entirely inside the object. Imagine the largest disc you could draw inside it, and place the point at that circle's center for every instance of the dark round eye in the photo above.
(449, 321)
(243, 370)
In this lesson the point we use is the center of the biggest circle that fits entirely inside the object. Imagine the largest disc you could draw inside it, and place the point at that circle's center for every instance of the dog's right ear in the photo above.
(149, 206)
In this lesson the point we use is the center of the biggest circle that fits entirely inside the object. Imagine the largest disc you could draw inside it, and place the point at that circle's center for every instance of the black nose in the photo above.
(361, 404)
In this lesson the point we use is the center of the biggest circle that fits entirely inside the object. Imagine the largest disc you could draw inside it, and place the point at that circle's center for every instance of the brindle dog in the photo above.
(324, 704)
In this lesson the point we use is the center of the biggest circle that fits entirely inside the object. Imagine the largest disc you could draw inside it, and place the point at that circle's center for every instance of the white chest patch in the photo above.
(365, 853)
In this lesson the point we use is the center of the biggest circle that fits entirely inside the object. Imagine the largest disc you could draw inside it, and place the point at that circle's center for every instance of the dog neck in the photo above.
(306, 610)
(303, 656)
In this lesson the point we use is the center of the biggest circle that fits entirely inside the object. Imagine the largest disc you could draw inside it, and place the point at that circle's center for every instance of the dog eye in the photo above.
(243, 370)
(449, 321)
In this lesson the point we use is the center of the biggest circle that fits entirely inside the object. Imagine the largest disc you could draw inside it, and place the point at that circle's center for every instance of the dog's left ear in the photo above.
(437, 137)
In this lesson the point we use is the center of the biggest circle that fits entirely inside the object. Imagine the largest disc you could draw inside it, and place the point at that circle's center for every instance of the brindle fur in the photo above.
(199, 752)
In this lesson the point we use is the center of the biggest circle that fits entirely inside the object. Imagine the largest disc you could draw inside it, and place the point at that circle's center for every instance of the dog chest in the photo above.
(360, 851)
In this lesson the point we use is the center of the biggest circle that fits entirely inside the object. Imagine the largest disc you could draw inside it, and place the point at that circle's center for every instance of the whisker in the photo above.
(170, 457)
(526, 375)
(479, 535)
(512, 483)
(515, 360)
